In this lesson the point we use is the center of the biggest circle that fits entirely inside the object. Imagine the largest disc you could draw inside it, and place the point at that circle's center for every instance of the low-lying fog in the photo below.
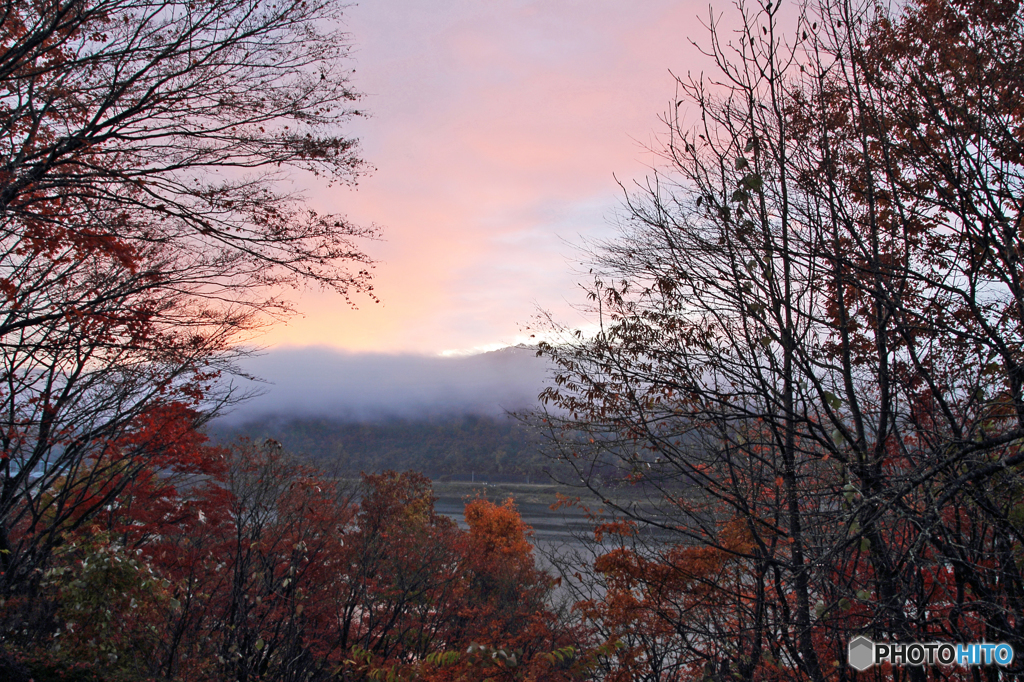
(325, 382)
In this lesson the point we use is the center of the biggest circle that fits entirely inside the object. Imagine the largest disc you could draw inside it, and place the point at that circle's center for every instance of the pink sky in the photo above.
(496, 129)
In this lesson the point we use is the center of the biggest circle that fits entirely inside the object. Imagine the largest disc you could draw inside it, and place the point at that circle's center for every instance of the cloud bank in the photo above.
(326, 382)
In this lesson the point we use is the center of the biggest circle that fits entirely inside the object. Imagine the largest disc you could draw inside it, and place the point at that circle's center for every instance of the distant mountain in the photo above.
(451, 447)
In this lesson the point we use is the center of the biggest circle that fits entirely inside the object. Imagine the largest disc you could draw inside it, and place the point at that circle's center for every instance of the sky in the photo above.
(499, 132)
(502, 134)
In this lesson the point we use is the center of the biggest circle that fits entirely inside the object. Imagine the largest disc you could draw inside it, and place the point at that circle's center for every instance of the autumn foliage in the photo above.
(802, 414)
(143, 236)
(804, 410)
(242, 563)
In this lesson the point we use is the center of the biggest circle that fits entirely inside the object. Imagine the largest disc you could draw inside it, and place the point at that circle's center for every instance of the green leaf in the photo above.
(832, 399)
(259, 645)
(844, 604)
(741, 163)
(863, 595)
(865, 545)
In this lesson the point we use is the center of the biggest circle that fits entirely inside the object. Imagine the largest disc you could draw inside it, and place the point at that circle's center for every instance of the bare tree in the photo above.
(806, 369)
(142, 234)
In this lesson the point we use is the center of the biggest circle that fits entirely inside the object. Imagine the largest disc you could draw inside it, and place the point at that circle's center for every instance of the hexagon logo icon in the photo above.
(861, 651)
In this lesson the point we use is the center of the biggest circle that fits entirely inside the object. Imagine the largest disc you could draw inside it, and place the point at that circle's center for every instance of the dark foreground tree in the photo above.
(806, 398)
(142, 234)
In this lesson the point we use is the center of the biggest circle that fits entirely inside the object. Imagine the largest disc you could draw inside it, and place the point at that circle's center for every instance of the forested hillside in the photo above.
(457, 447)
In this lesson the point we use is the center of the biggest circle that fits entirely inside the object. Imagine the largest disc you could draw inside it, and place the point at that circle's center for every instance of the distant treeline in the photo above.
(457, 447)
